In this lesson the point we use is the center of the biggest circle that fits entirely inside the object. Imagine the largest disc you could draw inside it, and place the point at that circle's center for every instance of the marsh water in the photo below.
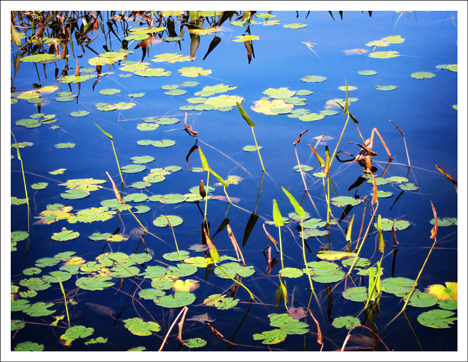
(273, 60)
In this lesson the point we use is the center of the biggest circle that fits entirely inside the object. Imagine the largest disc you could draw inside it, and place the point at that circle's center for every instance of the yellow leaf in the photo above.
(265, 107)
(335, 255)
(203, 31)
(188, 285)
(443, 293)
(76, 260)
(246, 38)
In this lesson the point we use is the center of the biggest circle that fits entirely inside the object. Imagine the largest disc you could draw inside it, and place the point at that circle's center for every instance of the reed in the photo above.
(22, 172)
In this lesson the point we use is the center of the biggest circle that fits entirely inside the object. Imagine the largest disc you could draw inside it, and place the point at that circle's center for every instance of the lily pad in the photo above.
(153, 72)
(31, 271)
(44, 262)
(188, 285)
(313, 79)
(387, 224)
(422, 75)
(173, 199)
(334, 255)
(173, 219)
(251, 148)
(142, 159)
(450, 291)
(139, 328)
(98, 282)
(163, 143)
(355, 294)
(39, 309)
(244, 38)
(385, 87)
(408, 187)
(295, 26)
(385, 55)
(195, 343)
(449, 304)
(437, 318)
(397, 179)
(109, 92)
(399, 286)
(444, 222)
(167, 121)
(74, 194)
(345, 201)
(280, 93)
(65, 235)
(79, 114)
(367, 72)
(271, 337)
(348, 321)
(29, 346)
(53, 276)
(232, 269)
(311, 117)
(193, 71)
(147, 126)
(291, 272)
(422, 300)
(175, 256)
(132, 168)
(179, 299)
(64, 145)
(35, 284)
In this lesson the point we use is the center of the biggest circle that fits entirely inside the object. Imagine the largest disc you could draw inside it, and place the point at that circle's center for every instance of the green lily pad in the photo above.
(147, 126)
(295, 26)
(382, 194)
(399, 286)
(109, 92)
(98, 282)
(408, 187)
(385, 87)
(187, 83)
(328, 112)
(360, 263)
(35, 284)
(36, 100)
(32, 271)
(195, 343)
(19, 236)
(153, 72)
(167, 121)
(379, 181)
(163, 143)
(304, 168)
(74, 194)
(387, 224)
(251, 148)
(96, 340)
(139, 328)
(65, 235)
(194, 71)
(280, 93)
(221, 301)
(19, 305)
(288, 324)
(422, 300)
(348, 321)
(355, 294)
(164, 282)
(444, 222)
(17, 324)
(154, 271)
(199, 261)
(179, 299)
(151, 294)
(174, 256)
(53, 276)
(449, 304)
(271, 337)
(162, 221)
(64, 145)
(175, 92)
(76, 332)
(140, 185)
(173, 199)
(40, 58)
(453, 67)
(385, 55)
(345, 201)
(397, 179)
(132, 168)
(422, 75)
(16, 201)
(437, 318)
(142, 159)
(69, 98)
(76, 78)
(136, 95)
(135, 197)
(44, 262)
(397, 39)
(28, 123)
(30, 346)
(58, 171)
(367, 72)
(311, 117)
(312, 233)
(232, 269)
(28, 294)
(313, 79)
(39, 309)
(290, 272)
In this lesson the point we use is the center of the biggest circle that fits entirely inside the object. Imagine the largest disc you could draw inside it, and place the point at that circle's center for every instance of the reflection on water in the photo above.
(176, 90)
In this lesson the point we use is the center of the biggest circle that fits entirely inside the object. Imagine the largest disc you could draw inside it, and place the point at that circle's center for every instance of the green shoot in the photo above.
(115, 153)
(205, 167)
(65, 299)
(252, 125)
(175, 240)
(22, 172)
(278, 220)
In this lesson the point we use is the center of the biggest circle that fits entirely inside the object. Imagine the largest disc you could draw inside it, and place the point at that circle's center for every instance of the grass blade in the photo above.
(245, 115)
(298, 208)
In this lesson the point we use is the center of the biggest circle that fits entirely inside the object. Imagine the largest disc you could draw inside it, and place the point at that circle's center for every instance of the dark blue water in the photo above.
(421, 108)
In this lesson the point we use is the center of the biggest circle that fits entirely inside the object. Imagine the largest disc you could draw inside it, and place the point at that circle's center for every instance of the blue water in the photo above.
(421, 108)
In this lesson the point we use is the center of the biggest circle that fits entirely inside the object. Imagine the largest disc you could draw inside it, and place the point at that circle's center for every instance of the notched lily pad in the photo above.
(348, 321)
(437, 318)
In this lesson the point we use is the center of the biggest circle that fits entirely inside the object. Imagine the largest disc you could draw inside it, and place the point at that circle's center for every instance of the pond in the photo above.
(157, 202)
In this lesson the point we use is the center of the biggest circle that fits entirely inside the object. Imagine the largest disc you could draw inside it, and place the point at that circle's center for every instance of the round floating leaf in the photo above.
(147, 126)
(31, 271)
(397, 39)
(170, 87)
(348, 321)
(367, 72)
(135, 197)
(311, 117)
(164, 282)
(28, 123)
(64, 145)
(154, 271)
(437, 318)
(399, 286)
(65, 99)
(141, 209)
(179, 299)
(167, 121)
(174, 256)
(136, 95)
(124, 271)
(304, 92)
(449, 304)
(335, 255)
(39, 309)
(142, 159)
(280, 93)
(350, 88)
(140, 185)
(58, 171)
(175, 92)
(17, 324)
(290, 272)
(188, 285)
(40, 58)
(308, 233)
(199, 261)
(328, 112)
(133, 168)
(98, 282)
(296, 217)
(444, 222)
(29, 346)
(163, 143)
(345, 201)
(385, 87)
(39, 186)
(251, 148)
(79, 114)
(33, 293)
(397, 179)
(244, 38)
(162, 221)
(194, 343)
(172, 199)
(443, 293)
(453, 67)
(295, 26)
(232, 269)
(35, 284)
(65, 235)
(422, 300)
(382, 194)
(422, 75)
(43, 262)
(53, 276)
(151, 294)
(387, 224)
(109, 92)
(153, 72)
(76, 332)
(271, 337)
(189, 84)
(360, 263)
(408, 187)
(74, 194)
(36, 100)
(385, 55)
(313, 79)
(356, 294)
(19, 305)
